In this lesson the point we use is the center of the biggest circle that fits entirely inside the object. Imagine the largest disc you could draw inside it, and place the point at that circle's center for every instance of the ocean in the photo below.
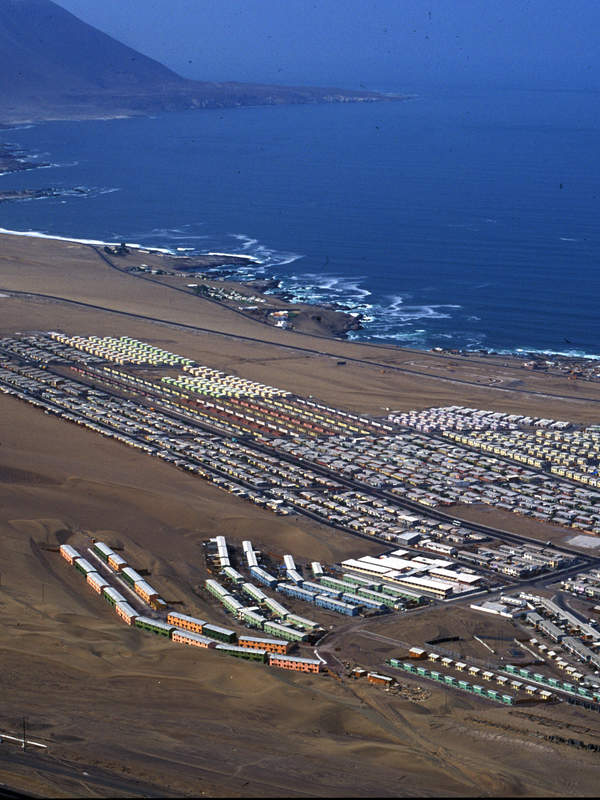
(459, 219)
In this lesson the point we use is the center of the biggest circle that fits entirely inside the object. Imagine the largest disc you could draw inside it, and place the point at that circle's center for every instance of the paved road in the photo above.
(91, 780)
(584, 561)
(405, 503)
(297, 348)
(409, 505)
(429, 356)
(561, 601)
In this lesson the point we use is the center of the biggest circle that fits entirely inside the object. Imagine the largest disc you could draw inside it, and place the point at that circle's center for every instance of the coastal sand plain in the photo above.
(373, 379)
(111, 701)
(307, 365)
(125, 707)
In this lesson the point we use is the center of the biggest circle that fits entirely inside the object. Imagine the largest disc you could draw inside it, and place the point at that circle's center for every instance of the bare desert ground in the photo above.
(124, 713)
(374, 377)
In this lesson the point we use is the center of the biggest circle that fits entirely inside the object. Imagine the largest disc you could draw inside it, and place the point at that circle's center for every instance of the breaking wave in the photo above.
(268, 256)
(571, 353)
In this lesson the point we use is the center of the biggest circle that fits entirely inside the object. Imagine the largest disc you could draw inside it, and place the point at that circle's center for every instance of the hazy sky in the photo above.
(395, 44)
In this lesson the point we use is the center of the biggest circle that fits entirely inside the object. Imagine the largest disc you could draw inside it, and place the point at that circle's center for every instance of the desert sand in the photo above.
(374, 377)
(125, 713)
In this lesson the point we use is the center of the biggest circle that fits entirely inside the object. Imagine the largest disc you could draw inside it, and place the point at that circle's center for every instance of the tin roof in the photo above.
(97, 579)
(145, 587)
(195, 637)
(85, 564)
(132, 574)
(235, 648)
(185, 617)
(116, 596)
(295, 659)
(127, 608)
(262, 640)
(66, 548)
(155, 622)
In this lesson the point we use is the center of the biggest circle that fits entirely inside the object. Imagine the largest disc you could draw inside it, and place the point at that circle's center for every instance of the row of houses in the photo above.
(261, 614)
(177, 627)
(231, 465)
(122, 350)
(520, 692)
(274, 482)
(422, 574)
(580, 639)
(267, 408)
(437, 473)
(573, 455)
(269, 481)
(461, 418)
(262, 410)
(236, 466)
(39, 347)
(516, 560)
(584, 583)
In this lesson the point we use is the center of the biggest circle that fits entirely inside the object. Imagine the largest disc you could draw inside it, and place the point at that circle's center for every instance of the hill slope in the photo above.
(56, 65)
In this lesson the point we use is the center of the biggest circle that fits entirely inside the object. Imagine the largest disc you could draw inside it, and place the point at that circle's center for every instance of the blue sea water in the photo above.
(461, 219)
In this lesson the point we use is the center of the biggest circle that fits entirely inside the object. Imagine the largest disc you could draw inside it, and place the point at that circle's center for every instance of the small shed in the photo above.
(357, 672)
(379, 680)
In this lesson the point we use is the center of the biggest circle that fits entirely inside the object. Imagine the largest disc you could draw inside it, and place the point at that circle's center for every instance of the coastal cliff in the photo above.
(55, 66)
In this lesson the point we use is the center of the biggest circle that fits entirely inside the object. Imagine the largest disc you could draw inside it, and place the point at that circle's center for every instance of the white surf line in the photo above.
(94, 242)
(100, 243)
(21, 741)
(237, 255)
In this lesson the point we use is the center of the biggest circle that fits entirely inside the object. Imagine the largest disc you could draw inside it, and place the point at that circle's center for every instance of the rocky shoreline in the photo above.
(37, 194)
(14, 159)
(334, 318)
(216, 277)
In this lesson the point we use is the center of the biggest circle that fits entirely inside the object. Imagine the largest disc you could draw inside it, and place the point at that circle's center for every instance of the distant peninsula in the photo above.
(55, 66)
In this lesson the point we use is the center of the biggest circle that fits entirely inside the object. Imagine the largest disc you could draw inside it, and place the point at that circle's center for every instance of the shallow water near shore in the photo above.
(460, 219)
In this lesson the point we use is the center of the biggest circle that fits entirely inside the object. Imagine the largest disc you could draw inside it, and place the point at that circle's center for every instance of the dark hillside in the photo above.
(55, 65)
(46, 49)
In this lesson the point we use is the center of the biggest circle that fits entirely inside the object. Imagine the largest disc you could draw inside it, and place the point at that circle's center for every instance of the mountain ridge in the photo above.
(56, 66)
